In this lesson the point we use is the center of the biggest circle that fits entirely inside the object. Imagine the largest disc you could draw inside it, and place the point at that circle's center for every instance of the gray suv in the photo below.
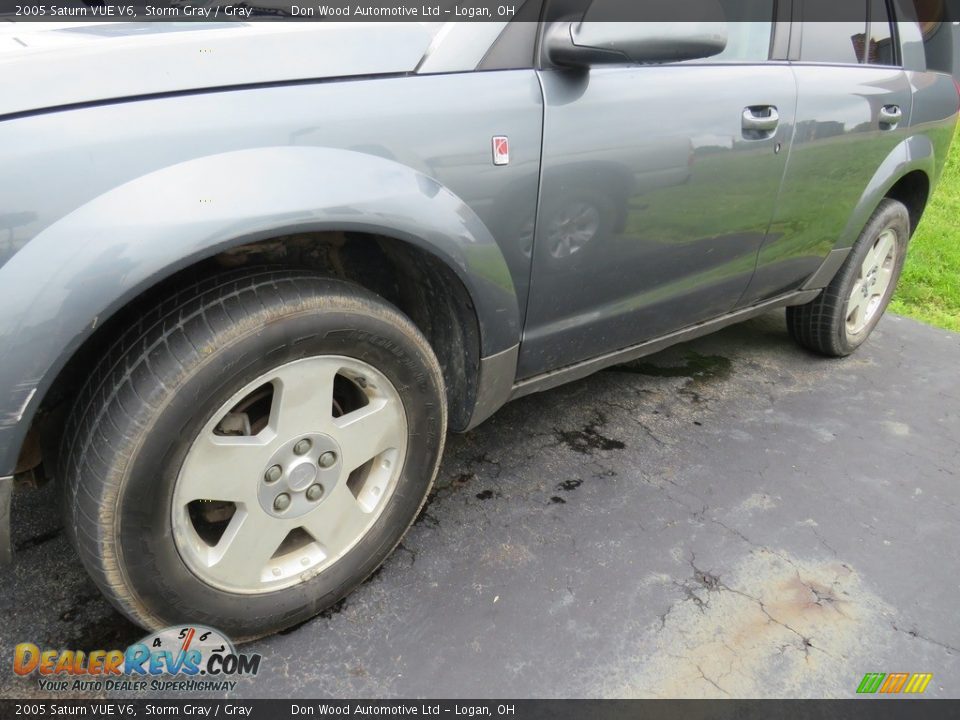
(251, 274)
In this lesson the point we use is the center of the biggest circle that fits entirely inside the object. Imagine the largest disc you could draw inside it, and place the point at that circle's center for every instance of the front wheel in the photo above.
(251, 451)
(842, 317)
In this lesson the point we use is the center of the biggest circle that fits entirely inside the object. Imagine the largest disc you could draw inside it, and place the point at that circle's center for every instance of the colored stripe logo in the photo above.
(893, 683)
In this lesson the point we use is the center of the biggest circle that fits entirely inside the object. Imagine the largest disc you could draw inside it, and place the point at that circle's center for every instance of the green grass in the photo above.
(929, 288)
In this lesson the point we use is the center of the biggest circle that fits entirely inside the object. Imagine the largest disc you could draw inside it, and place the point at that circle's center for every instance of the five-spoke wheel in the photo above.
(252, 450)
(842, 317)
(314, 463)
(873, 280)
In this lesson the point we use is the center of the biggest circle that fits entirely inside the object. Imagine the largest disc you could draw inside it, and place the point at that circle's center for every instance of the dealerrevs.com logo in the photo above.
(192, 658)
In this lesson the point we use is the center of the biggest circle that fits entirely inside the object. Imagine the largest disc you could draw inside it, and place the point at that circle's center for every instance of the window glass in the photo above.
(880, 50)
(747, 40)
(832, 42)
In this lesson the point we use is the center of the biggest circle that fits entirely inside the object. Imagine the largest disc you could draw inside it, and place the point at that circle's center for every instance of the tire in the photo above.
(334, 369)
(834, 325)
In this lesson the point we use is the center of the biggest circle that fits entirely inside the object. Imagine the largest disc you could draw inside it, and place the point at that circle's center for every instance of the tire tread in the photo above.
(129, 383)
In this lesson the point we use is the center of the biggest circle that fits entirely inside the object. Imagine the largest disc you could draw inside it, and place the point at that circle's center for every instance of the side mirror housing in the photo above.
(598, 39)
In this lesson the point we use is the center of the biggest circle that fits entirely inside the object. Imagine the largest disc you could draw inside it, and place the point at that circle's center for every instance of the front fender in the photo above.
(84, 267)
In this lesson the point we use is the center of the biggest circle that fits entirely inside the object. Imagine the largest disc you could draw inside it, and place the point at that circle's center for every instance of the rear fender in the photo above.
(914, 153)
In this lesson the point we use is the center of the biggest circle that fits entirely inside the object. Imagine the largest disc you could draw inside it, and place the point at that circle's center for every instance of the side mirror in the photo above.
(598, 39)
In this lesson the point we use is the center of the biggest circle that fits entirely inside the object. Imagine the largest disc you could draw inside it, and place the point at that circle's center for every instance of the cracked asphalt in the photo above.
(731, 517)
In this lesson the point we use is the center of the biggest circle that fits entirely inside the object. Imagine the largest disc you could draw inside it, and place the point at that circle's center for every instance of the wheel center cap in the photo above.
(302, 476)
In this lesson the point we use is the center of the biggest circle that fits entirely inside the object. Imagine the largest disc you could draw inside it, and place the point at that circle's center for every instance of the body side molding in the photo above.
(553, 379)
(495, 384)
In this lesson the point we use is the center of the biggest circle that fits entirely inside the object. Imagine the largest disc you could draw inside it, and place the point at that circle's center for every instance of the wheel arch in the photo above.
(84, 270)
(913, 190)
(904, 175)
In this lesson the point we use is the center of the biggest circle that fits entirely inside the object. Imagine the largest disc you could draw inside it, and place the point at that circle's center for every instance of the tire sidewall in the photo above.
(892, 215)
(149, 560)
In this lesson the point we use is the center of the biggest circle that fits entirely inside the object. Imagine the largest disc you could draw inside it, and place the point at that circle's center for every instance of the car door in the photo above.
(854, 109)
(658, 184)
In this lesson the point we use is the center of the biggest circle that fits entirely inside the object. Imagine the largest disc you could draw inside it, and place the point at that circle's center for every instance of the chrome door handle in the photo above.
(890, 115)
(760, 120)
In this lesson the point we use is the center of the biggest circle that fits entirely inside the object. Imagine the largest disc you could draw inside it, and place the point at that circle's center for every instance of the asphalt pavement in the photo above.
(731, 517)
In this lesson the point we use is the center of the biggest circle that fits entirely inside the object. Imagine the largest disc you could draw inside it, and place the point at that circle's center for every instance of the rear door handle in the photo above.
(891, 115)
(760, 121)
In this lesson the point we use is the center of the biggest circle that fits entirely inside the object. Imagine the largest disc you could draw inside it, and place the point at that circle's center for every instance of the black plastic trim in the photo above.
(6, 548)
(515, 49)
(561, 376)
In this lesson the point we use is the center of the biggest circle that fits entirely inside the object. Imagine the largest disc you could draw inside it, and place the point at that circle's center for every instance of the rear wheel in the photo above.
(842, 317)
(251, 451)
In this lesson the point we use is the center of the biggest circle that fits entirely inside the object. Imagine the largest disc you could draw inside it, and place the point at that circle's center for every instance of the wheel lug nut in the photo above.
(302, 447)
(281, 502)
(314, 492)
(328, 459)
(273, 474)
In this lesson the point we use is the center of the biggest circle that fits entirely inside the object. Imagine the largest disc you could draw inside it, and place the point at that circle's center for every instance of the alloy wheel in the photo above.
(289, 474)
(872, 283)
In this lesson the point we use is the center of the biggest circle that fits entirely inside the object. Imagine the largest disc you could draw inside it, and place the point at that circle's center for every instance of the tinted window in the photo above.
(880, 50)
(833, 42)
(845, 41)
(748, 40)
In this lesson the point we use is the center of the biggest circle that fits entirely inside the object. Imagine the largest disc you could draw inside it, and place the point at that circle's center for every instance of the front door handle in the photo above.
(760, 122)
(890, 116)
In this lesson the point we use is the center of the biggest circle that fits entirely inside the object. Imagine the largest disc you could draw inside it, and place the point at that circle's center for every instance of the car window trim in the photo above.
(781, 40)
(894, 34)
(517, 40)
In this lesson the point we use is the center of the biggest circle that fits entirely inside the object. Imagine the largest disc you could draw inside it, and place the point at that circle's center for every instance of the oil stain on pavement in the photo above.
(775, 623)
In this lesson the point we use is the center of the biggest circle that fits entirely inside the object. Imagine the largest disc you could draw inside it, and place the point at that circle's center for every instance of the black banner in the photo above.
(927, 11)
(469, 709)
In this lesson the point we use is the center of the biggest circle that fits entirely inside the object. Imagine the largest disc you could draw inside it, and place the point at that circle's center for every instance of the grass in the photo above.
(929, 288)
